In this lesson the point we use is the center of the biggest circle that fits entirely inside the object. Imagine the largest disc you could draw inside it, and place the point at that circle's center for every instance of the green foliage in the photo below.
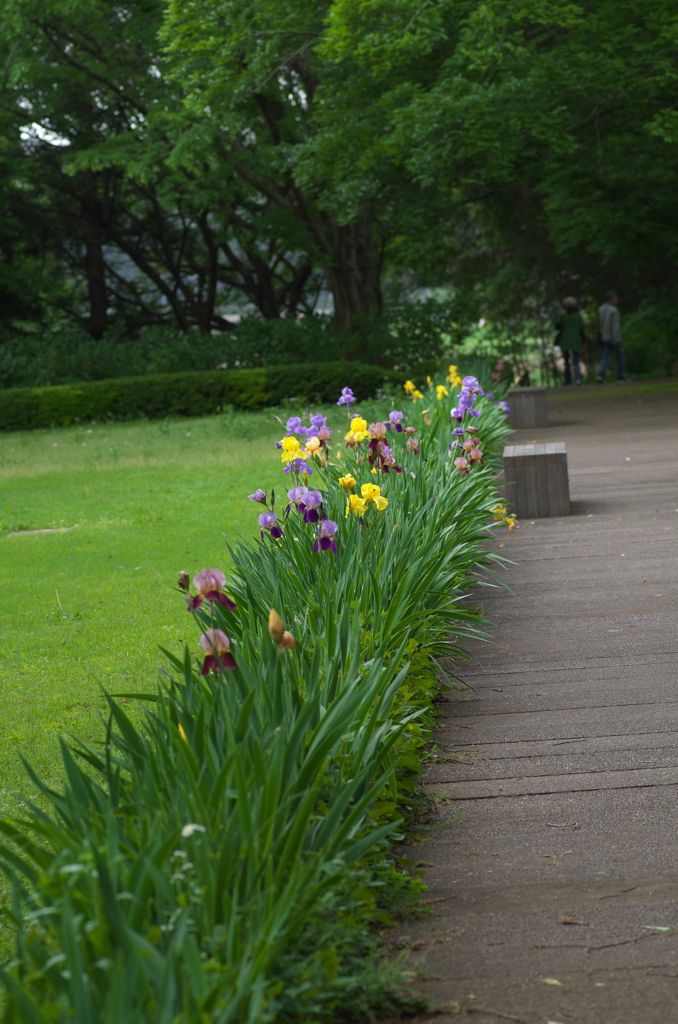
(651, 338)
(135, 205)
(402, 338)
(185, 394)
(546, 126)
(216, 860)
(515, 152)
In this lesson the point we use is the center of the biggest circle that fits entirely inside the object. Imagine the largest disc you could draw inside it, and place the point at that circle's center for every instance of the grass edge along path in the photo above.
(227, 860)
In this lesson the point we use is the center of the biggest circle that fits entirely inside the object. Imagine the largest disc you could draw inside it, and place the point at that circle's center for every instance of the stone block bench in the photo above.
(528, 408)
(536, 483)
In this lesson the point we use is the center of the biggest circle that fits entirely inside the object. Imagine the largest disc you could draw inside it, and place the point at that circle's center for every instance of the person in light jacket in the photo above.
(570, 336)
(610, 336)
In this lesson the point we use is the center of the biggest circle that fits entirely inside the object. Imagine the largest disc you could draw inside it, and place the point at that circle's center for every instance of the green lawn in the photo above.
(615, 391)
(87, 608)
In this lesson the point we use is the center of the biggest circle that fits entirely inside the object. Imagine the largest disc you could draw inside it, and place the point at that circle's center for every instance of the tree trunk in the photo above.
(352, 275)
(97, 294)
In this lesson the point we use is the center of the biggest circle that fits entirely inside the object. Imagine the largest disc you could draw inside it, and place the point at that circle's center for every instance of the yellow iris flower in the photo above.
(347, 482)
(371, 492)
(441, 391)
(356, 504)
(358, 431)
(291, 450)
(409, 387)
(416, 394)
(313, 445)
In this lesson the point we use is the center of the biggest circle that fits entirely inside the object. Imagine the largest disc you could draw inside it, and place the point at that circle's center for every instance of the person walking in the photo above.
(570, 337)
(610, 336)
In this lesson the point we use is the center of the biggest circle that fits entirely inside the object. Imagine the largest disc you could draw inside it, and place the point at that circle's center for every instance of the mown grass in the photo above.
(86, 608)
(613, 390)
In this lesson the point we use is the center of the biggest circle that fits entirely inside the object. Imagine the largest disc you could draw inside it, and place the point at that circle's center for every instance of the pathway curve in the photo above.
(555, 894)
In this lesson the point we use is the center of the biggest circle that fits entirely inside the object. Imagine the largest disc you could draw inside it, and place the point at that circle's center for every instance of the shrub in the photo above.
(650, 337)
(402, 337)
(185, 394)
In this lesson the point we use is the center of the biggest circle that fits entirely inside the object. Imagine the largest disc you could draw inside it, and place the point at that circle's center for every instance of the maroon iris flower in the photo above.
(210, 586)
(218, 651)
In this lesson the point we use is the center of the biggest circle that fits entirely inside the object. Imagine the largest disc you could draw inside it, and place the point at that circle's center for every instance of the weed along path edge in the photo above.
(553, 895)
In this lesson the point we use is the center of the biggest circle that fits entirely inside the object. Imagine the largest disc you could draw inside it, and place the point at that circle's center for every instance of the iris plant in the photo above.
(218, 651)
(298, 466)
(325, 540)
(470, 390)
(268, 521)
(346, 398)
(210, 585)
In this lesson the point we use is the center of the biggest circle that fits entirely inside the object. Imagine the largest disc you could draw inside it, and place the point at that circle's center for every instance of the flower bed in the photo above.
(225, 859)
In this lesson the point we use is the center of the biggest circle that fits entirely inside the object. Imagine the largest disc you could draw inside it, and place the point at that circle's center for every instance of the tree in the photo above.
(148, 230)
(255, 68)
(569, 104)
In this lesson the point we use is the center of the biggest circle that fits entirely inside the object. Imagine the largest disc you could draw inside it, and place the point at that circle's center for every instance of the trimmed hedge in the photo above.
(186, 394)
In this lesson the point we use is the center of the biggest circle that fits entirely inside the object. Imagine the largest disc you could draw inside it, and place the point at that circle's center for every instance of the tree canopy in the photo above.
(244, 150)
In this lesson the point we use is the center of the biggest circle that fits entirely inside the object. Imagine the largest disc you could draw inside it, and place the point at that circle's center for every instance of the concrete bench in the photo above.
(528, 408)
(536, 480)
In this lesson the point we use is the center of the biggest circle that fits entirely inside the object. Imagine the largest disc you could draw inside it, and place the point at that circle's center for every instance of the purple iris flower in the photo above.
(297, 494)
(504, 406)
(465, 399)
(258, 495)
(318, 423)
(472, 385)
(310, 505)
(458, 431)
(325, 540)
(268, 521)
(395, 418)
(347, 397)
(488, 394)
(293, 426)
(298, 466)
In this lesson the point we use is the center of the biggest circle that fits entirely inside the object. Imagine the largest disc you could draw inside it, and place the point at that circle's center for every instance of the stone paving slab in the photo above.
(590, 835)
(474, 767)
(607, 720)
(621, 778)
(553, 849)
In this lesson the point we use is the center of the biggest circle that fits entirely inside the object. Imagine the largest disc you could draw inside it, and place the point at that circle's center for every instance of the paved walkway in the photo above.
(555, 893)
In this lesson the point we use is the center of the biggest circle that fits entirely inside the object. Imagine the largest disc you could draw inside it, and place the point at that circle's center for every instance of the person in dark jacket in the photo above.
(610, 336)
(570, 336)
